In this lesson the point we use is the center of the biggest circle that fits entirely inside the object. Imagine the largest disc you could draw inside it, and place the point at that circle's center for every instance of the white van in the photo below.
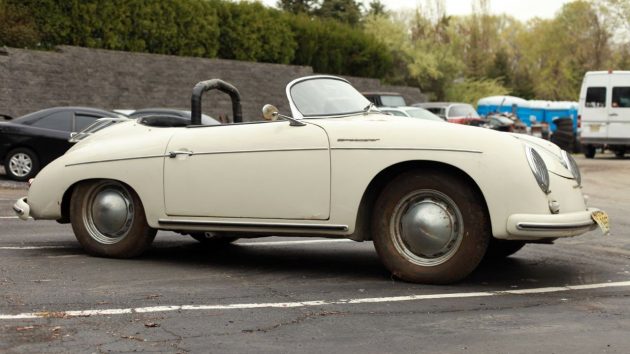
(605, 112)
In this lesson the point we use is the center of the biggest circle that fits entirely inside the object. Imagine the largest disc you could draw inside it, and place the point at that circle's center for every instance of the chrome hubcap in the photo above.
(427, 226)
(20, 164)
(109, 213)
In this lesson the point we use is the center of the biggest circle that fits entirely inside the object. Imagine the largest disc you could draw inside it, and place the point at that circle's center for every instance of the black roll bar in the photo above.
(218, 84)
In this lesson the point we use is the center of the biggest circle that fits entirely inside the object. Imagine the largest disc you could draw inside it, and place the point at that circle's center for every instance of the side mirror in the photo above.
(270, 112)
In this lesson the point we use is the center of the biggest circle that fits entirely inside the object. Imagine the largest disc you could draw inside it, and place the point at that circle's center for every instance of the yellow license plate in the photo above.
(595, 128)
(601, 218)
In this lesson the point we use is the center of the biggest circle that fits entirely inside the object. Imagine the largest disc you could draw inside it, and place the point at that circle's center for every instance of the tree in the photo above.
(298, 6)
(346, 11)
(376, 8)
(17, 28)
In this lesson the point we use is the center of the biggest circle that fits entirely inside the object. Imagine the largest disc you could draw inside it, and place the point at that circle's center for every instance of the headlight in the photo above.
(569, 162)
(539, 169)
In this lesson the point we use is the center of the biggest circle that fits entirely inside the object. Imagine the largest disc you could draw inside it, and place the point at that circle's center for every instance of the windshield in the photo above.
(423, 113)
(462, 110)
(325, 96)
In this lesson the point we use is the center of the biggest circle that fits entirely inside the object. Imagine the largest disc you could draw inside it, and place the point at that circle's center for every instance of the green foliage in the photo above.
(250, 31)
(332, 47)
(17, 28)
(471, 90)
(207, 28)
(346, 11)
(297, 6)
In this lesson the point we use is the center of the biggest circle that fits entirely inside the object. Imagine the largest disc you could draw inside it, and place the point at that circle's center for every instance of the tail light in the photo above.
(579, 123)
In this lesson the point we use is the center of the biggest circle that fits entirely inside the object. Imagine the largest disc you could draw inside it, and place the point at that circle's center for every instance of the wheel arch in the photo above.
(363, 229)
(67, 197)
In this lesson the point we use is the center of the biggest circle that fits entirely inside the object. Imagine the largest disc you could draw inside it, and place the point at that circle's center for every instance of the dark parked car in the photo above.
(32, 141)
(205, 120)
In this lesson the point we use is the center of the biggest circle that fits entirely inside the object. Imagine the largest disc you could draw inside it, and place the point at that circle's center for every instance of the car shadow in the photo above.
(359, 264)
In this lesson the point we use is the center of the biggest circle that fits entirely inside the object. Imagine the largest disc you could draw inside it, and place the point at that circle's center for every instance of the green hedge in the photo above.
(205, 28)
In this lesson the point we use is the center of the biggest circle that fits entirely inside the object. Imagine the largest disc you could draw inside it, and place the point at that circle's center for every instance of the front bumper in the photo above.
(536, 226)
(22, 209)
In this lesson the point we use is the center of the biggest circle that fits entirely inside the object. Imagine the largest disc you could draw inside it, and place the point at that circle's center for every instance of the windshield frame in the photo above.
(295, 112)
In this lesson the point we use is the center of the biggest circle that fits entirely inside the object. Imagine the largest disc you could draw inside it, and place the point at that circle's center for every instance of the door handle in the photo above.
(613, 114)
(174, 154)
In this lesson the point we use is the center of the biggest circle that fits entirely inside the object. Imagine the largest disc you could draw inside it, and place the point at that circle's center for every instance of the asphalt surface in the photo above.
(279, 295)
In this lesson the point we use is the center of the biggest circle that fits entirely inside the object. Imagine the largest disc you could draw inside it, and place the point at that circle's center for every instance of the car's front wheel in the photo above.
(108, 219)
(21, 164)
(430, 227)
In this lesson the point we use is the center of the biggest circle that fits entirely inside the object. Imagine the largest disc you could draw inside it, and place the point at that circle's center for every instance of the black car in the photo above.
(32, 141)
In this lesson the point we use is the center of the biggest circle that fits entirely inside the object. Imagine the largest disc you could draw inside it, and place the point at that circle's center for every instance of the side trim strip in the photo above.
(261, 150)
(531, 226)
(407, 149)
(291, 226)
(203, 153)
(114, 160)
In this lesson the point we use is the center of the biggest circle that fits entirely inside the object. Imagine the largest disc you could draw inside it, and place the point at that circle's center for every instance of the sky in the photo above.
(520, 9)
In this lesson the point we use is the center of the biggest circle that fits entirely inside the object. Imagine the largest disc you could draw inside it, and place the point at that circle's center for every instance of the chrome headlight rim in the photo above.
(569, 162)
(539, 168)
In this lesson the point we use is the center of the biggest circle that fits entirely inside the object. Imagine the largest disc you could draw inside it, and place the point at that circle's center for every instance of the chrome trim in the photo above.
(114, 160)
(190, 153)
(260, 150)
(174, 154)
(541, 226)
(539, 168)
(294, 111)
(18, 211)
(242, 224)
(408, 149)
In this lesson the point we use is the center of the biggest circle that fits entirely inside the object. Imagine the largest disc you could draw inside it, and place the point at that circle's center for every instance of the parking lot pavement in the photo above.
(314, 295)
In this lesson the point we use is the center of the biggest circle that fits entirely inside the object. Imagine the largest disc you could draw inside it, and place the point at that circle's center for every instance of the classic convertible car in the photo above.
(435, 198)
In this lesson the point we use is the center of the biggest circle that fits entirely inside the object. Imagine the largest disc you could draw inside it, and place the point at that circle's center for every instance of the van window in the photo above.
(595, 97)
(621, 97)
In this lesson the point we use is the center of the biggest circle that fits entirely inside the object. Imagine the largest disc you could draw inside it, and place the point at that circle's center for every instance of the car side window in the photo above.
(82, 121)
(56, 121)
(621, 97)
(595, 97)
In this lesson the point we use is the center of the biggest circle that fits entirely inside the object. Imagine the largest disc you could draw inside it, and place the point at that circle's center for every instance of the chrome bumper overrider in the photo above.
(22, 209)
(534, 226)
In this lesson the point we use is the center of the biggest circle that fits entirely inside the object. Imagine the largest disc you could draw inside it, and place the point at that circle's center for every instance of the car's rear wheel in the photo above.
(108, 219)
(498, 249)
(213, 239)
(430, 227)
(21, 164)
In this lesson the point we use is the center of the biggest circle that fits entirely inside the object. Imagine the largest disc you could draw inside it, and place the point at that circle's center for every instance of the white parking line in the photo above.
(160, 309)
(247, 244)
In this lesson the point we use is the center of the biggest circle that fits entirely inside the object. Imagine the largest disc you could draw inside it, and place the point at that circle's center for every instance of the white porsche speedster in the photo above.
(435, 198)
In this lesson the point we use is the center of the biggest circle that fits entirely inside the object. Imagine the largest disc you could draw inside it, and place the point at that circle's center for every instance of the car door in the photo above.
(619, 111)
(595, 112)
(267, 170)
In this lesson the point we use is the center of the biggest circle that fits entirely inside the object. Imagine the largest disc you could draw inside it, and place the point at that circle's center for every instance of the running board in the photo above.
(253, 225)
